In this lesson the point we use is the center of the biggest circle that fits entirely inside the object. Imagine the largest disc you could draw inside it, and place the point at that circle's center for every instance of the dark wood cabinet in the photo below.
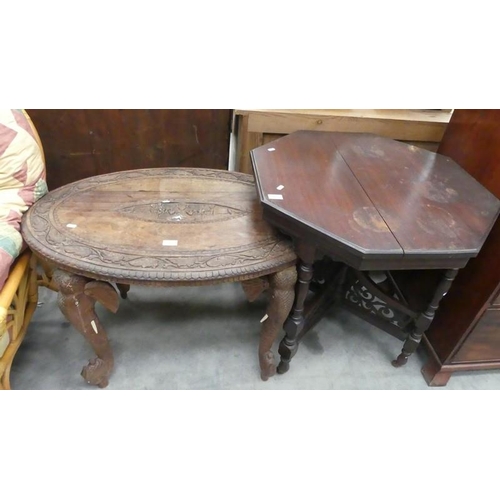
(79, 143)
(465, 334)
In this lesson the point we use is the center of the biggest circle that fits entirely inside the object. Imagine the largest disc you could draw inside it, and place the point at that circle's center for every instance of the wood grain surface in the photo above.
(80, 143)
(158, 225)
(321, 191)
(427, 200)
(254, 127)
(376, 197)
(472, 140)
(483, 343)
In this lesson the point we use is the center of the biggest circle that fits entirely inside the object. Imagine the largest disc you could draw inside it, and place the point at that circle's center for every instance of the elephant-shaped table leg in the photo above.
(282, 292)
(77, 298)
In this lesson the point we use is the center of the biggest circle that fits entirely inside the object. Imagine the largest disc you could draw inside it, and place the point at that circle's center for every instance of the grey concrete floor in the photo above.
(207, 338)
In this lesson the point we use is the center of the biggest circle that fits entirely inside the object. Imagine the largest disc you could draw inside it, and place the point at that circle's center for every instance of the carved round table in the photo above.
(158, 227)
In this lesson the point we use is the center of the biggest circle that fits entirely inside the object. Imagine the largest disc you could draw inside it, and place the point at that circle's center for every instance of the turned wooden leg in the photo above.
(76, 299)
(324, 300)
(295, 322)
(281, 286)
(425, 319)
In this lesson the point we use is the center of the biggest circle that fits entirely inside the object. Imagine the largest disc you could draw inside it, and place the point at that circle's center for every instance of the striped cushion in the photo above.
(22, 182)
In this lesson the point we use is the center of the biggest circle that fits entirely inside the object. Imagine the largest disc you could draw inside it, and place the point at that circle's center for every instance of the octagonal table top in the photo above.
(372, 200)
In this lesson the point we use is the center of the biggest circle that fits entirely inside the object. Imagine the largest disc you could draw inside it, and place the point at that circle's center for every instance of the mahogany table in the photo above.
(159, 227)
(381, 212)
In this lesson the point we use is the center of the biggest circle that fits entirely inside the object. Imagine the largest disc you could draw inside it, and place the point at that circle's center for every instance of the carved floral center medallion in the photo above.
(170, 211)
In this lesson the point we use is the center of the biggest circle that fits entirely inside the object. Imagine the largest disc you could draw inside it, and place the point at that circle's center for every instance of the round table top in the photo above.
(176, 225)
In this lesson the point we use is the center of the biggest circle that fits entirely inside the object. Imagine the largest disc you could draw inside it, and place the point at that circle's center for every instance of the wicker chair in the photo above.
(18, 300)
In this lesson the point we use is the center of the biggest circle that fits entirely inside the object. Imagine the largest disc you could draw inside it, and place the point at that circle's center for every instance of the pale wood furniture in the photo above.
(465, 334)
(159, 227)
(256, 127)
(372, 204)
(18, 300)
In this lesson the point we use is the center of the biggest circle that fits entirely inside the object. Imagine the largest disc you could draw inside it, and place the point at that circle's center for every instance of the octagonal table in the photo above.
(379, 209)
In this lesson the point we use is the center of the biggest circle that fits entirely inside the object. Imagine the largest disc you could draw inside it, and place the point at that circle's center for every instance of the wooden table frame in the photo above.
(396, 207)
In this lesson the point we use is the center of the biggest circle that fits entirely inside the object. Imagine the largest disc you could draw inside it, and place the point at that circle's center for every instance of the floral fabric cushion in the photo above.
(22, 182)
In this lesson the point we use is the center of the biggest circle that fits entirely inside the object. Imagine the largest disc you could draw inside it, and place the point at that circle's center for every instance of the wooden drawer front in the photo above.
(483, 344)
(496, 301)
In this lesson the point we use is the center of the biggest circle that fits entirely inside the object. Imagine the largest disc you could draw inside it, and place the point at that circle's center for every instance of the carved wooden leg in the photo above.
(425, 319)
(124, 289)
(281, 297)
(254, 287)
(45, 278)
(295, 322)
(76, 299)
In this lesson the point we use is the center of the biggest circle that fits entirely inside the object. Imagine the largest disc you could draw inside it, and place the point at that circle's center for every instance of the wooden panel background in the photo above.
(79, 143)
(254, 128)
(472, 139)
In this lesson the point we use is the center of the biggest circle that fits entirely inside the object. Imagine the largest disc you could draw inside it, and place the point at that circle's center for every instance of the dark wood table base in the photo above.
(387, 306)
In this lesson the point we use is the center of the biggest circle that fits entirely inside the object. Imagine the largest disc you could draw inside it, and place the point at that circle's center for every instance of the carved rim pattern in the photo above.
(271, 254)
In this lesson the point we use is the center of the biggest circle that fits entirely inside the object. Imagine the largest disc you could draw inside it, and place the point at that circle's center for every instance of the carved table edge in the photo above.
(166, 282)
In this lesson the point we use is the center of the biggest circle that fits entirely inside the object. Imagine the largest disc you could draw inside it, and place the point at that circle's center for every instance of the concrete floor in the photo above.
(207, 338)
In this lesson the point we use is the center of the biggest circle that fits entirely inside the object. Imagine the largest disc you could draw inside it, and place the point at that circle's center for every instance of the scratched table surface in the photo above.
(175, 225)
(373, 202)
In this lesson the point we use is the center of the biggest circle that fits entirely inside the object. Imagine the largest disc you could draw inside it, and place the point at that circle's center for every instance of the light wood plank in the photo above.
(246, 141)
(393, 127)
(426, 115)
